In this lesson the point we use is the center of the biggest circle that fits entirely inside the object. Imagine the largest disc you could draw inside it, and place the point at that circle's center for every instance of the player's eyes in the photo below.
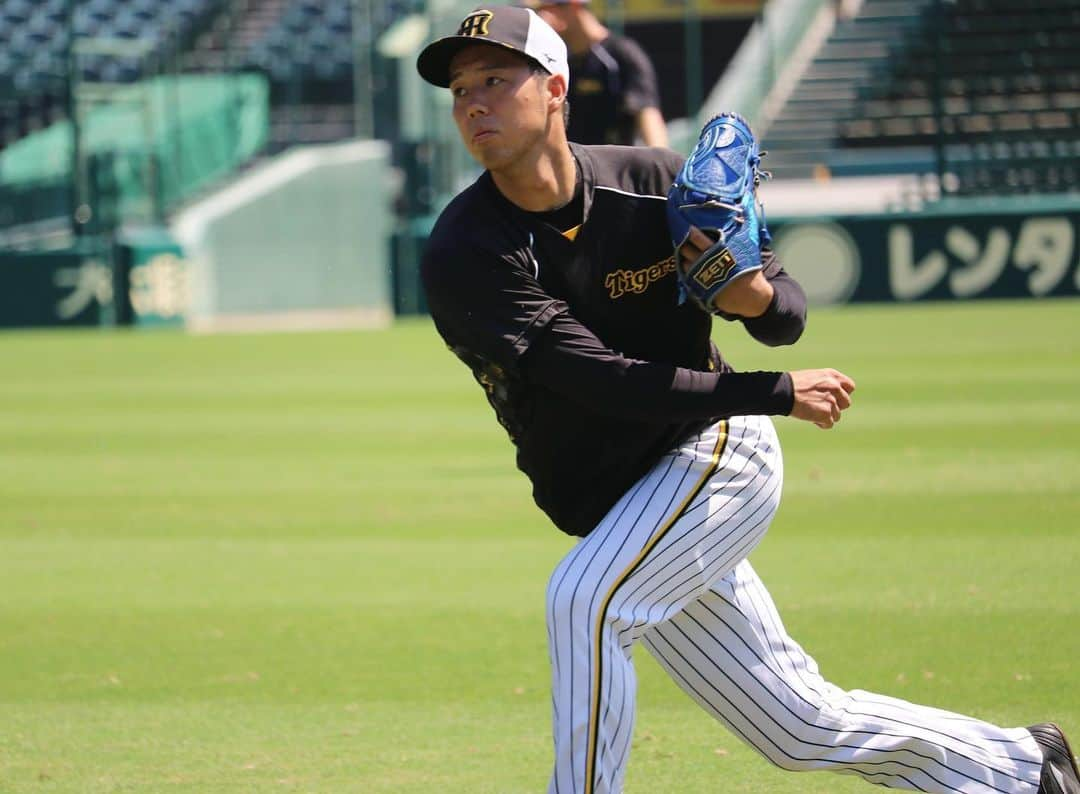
(489, 82)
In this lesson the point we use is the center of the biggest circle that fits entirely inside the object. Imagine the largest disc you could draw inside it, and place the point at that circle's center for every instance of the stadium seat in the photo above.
(305, 47)
(996, 80)
(17, 12)
(34, 42)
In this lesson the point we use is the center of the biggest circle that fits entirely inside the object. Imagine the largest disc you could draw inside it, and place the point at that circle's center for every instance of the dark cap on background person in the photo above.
(511, 27)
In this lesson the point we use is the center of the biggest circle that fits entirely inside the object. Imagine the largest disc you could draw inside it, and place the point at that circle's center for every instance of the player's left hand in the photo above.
(749, 295)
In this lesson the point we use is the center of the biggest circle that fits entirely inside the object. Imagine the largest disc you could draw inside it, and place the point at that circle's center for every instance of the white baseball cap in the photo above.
(511, 27)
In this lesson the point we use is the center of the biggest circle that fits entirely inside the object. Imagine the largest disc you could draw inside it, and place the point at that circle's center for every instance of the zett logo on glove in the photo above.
(713, 271)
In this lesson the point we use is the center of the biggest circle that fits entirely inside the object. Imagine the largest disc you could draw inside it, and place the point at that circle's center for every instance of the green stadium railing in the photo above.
(144, 147)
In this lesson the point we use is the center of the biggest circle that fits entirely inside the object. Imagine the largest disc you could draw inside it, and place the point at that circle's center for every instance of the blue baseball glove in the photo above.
(715, 191)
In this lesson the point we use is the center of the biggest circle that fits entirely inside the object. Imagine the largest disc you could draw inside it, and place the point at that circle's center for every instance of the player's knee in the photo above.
(567, 599)
(791, 755)
(560, 599)
(810, 739)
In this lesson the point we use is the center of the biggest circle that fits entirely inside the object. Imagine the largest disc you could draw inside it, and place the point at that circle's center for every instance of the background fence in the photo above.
(122, 114)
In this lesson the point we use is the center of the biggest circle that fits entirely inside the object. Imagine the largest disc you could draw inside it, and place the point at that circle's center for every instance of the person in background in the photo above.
(613, 94)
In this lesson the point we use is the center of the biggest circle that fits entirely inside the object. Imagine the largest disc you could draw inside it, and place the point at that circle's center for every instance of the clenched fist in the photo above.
(820, 395)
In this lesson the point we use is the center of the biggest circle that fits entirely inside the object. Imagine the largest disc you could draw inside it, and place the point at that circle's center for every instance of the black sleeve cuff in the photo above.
(785, 319)
(785, 393)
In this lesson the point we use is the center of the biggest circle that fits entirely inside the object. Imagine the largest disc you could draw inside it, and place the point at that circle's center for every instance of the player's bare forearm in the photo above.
(773, 309)
(747, 296)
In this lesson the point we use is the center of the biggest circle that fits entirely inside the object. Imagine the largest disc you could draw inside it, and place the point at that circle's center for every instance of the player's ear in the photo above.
(556, 91)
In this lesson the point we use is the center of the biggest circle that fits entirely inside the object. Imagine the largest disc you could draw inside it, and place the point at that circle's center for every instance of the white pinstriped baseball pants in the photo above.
(667, 566)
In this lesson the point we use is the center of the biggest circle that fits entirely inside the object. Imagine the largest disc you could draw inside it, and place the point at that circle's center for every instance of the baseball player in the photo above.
(553, 278)
(614, 93)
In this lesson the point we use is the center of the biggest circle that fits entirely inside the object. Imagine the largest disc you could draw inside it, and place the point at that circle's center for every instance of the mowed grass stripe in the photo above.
(307, 563)
(173, 574)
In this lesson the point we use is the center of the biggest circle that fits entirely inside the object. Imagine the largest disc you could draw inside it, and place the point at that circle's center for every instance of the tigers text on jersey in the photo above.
(576, 336)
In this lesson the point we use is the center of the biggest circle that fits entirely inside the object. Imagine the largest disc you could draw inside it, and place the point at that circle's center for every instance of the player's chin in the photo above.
(490, 155)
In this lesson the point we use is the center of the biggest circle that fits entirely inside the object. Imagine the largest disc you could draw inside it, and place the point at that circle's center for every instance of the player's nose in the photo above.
(476, 109)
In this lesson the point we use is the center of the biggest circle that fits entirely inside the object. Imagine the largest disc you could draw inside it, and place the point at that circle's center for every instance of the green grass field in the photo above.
(307, 563)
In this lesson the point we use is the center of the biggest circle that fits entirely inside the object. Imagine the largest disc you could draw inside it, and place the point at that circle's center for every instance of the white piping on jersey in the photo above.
(532, 256)
(628, 193)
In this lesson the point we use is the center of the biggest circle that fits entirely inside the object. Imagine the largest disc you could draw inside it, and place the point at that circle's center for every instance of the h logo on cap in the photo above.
(475, 24)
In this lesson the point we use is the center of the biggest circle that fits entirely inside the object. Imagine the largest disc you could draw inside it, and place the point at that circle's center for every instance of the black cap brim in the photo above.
(433, 63)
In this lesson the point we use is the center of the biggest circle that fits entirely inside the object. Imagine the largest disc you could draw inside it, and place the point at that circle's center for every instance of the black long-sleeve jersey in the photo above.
(576, 336)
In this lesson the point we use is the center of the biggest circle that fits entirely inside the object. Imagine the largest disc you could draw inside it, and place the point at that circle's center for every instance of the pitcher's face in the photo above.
(501, 105)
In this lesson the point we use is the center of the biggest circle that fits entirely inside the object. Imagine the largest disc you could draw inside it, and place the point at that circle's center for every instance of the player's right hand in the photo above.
(820, 395)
